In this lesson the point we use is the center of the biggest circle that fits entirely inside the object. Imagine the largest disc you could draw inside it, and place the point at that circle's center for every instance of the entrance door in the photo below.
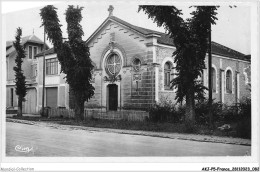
(52, 97)
(112, 97)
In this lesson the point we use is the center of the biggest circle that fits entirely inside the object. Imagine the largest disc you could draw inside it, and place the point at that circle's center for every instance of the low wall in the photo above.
(99, 114)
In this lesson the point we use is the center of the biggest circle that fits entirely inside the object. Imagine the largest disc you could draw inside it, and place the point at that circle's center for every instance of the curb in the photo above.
(211, 139)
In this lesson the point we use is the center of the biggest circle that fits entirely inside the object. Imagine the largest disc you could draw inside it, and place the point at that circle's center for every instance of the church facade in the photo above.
(134, 67)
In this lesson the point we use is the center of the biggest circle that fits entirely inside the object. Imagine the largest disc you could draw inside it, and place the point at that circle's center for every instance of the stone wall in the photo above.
(219, 63)
(239, 87)
(132, 94)
(141, 94)
(164, 55)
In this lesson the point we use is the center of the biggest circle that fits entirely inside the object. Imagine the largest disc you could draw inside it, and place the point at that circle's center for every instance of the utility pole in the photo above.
(43, 74)
(210, 80)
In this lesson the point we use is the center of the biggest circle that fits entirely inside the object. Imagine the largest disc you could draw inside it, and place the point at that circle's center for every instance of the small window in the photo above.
(213, 79)
(52, 66)
(229, 81)
(34, 52)
(30, 52)
(136, 65)
(167, 75)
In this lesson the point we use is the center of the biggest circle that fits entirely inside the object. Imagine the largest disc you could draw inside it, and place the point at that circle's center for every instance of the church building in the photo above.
(134, 67)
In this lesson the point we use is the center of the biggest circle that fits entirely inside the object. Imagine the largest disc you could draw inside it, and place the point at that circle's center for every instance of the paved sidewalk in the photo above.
(193, 137)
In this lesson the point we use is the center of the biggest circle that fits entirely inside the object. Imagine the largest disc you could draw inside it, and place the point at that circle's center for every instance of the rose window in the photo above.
(113, 64)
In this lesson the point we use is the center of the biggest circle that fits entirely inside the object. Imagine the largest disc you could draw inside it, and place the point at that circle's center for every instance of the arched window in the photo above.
(167, 75)
(136, 64)
(113, 64)
(213, 80)
(228, 81)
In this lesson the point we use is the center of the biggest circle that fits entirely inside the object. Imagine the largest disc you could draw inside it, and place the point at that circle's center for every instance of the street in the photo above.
(30, 140)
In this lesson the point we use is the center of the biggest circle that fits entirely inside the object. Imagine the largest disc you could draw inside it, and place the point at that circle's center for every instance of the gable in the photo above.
(110, 26)
(127, 40)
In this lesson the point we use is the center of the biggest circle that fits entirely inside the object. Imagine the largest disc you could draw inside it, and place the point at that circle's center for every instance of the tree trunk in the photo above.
(79, 107)
(190, 106)
(20, 106)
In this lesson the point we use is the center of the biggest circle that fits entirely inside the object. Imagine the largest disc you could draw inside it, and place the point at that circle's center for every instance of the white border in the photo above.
(243, 161)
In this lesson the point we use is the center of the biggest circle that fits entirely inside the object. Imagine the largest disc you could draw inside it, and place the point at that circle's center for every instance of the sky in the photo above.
(232, 28)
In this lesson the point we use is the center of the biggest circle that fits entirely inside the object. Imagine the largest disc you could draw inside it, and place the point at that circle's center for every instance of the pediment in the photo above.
(111, 26)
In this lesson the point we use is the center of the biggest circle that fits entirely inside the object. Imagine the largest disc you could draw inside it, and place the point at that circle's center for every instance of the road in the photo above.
(39, 141)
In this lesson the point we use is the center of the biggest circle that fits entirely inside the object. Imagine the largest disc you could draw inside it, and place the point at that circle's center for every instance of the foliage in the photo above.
(202, 112)
(237, 115)
(190, 127)
(223, 113)
(243, 127)
(45, 113)
(73, 54)
(20, 87)
(190, 38)
(244, 107)
(240, 121)
(165, 111)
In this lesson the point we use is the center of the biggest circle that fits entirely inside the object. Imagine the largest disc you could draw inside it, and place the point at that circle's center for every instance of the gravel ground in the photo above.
(193, 137)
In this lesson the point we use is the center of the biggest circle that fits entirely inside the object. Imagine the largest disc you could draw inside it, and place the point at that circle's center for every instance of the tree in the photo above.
(73, 55)
(190, 38)
(20, 87)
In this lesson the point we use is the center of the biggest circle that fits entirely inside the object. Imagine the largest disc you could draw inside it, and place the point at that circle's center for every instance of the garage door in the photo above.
(29, 106)
(52, 96)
